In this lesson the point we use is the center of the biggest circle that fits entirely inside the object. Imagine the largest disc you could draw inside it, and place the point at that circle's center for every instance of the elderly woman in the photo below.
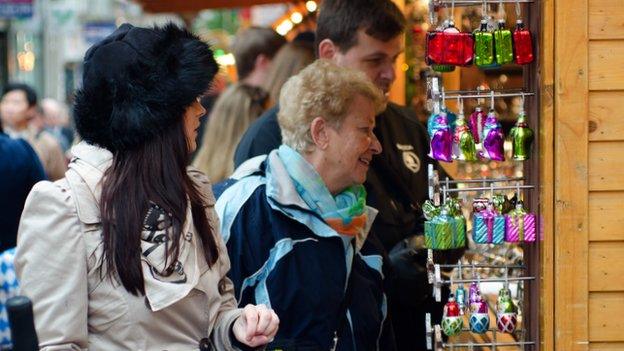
(295, 222)
(124, 252)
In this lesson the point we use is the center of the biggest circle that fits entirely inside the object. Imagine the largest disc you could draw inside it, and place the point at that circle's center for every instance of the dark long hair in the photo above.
(154, 172)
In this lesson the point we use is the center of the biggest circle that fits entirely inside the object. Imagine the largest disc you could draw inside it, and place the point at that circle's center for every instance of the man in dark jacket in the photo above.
(20, 169)
(367, 35)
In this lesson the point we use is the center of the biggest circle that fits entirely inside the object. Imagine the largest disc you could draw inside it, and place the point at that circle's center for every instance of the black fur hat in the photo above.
(137, 82)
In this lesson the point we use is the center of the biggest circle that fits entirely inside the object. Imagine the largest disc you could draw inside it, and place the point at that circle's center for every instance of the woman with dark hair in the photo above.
(124, 252)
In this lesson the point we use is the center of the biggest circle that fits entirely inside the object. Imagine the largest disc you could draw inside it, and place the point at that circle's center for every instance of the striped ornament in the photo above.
(520, 227)
(488, 229)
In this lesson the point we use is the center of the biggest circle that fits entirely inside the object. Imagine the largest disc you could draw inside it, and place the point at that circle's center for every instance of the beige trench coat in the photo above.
(57, 259)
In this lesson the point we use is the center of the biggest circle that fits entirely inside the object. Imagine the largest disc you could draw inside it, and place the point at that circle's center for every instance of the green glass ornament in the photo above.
(503, 44)
(521, 139)
(484, 46)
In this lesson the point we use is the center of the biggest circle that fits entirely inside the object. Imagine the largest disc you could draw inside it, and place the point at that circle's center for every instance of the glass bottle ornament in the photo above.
(493, 138)
(477, 123)
(484, 45)
(523, 44)
(452, 319)
(441, 139)
(464, 148)
(521, 138)
(503, 44)
(460, 297)
(506, 312)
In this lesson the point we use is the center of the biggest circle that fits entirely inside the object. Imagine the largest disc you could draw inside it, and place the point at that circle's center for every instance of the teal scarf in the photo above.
(346, 213)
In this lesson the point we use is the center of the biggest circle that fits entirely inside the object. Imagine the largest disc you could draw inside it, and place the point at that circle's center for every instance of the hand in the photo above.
(256, 326)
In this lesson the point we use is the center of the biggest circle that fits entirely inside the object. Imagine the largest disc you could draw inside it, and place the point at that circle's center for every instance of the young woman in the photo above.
(124, 252)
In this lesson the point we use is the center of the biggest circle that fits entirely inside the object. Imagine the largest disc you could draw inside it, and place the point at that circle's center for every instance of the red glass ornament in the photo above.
(449, 47)
(523, 45)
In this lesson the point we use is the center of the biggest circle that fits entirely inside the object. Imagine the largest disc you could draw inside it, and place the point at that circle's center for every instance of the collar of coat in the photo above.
(281, 191)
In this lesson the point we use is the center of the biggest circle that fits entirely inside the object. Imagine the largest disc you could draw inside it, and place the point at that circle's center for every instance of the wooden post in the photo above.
(571, 175)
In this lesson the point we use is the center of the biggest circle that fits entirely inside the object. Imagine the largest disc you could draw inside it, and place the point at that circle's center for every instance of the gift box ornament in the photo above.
(479, 317)
(445, 232)
(464, 148)
(493, 139)
(488, 227)
(506, 312)
(523, 44)
(477, 124)
(452, 320)
(484, 46)
(449, 47)
(454, 209)
(503, 44)
(521, 139)
(441, 139)
(520, 225)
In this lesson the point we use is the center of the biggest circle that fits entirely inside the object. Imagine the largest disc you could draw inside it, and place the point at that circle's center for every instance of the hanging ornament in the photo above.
(474, 294)
(502, 39)
(520, 225)
(441, 140)
(460, 297)
(454, 209)
(484, 42)
(488, 226)
(506, 312)
(445, 230)
(493, 137)
(452, 320)
(523, 44)
(463, 142)
(449, 46)
(521, 137)
(477, 123)
(479, 317)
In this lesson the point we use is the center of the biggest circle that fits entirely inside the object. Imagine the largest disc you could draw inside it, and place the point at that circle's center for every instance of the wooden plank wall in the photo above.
(606, 174)
(589, 175)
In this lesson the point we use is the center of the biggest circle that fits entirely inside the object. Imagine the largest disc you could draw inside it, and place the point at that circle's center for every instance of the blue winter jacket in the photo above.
(285, 256)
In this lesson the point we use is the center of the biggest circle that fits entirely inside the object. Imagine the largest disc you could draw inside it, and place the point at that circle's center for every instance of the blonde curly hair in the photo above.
(322, 89)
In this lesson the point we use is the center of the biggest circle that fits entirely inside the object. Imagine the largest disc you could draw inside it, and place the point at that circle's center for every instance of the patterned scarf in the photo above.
(346, 213)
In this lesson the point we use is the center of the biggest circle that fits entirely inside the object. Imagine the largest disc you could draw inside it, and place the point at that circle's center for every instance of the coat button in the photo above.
(205, 344)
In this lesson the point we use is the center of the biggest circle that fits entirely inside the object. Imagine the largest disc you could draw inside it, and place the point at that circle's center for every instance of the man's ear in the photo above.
(262, 62)
(319, 132)
(327, 49)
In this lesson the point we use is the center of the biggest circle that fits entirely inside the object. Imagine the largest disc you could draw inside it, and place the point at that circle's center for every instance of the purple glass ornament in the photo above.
(474, 295)
(442, 140)
(477, 124)
(494, 139)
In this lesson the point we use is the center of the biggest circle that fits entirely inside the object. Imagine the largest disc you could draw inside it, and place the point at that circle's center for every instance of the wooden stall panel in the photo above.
(606, 216)
(605, 115)
(606, 165)
(605, 311)
(606, 20)
(603, 346)
(606, 71)
(606, 266)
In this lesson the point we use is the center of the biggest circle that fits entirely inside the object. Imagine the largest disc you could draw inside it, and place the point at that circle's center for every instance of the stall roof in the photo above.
(181, 6)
